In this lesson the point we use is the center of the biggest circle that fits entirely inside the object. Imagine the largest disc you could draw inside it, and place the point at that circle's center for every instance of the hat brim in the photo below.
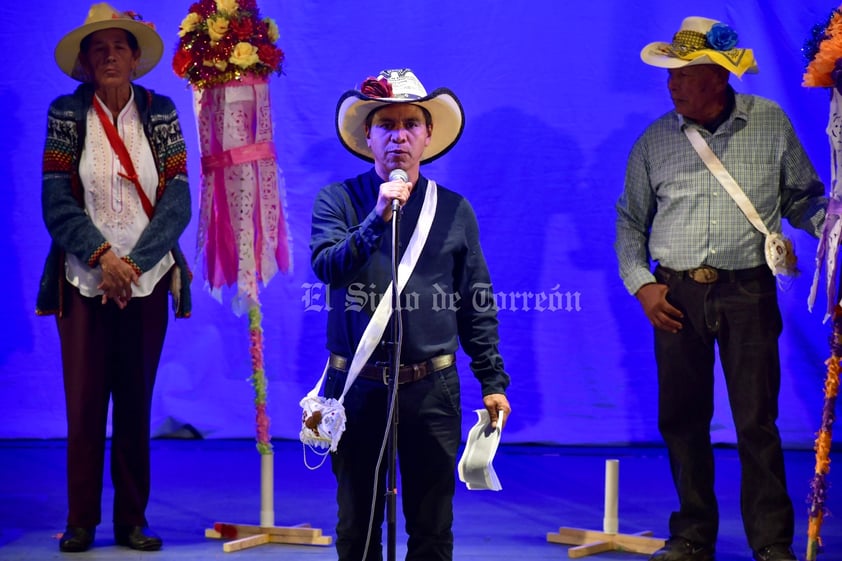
(150, 43)
(446, 113)
(657, 54)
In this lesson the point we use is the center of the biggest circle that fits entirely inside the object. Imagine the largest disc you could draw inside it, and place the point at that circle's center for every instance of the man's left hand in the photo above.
(494, 403)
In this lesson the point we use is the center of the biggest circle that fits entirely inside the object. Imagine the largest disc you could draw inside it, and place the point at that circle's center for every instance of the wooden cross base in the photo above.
(244, 536)
(589, 542)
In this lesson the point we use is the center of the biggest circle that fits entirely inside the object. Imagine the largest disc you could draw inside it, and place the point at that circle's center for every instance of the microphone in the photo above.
(395, 175)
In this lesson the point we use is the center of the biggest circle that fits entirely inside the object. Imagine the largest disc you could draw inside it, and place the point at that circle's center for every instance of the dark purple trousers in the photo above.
(110, 354)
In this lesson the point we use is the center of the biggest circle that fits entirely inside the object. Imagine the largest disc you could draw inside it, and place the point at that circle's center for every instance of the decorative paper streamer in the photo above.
(242, 234)
(829, 242)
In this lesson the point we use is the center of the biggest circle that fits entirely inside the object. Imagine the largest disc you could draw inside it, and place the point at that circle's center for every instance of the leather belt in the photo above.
(710, 275)
(406, 373)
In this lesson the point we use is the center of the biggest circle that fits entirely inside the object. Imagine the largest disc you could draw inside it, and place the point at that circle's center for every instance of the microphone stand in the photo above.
(392, 407)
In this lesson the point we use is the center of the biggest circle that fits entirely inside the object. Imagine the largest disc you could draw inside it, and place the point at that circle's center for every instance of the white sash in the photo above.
(377, 325)
(777, 249)
(728, 183)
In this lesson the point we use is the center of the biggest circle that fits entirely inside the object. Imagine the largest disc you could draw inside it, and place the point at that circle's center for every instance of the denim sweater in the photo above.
(62, 198)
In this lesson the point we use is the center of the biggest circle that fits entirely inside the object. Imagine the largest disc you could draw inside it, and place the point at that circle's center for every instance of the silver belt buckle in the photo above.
(703, 275)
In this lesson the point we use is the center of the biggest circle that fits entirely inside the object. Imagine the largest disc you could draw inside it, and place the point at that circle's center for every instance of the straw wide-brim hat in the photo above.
(102, 16)
(354, 106)
(701, 41)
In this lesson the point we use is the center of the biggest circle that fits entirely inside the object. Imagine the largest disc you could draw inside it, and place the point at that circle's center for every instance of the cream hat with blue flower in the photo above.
(701, 41)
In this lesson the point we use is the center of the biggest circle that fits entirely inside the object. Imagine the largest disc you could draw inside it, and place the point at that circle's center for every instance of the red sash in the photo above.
(123, 154)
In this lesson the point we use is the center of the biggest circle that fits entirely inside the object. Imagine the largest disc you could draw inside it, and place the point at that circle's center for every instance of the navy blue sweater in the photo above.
(447, 301)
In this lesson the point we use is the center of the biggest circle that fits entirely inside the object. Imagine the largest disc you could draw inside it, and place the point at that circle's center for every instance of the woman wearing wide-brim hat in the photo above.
(115, 200)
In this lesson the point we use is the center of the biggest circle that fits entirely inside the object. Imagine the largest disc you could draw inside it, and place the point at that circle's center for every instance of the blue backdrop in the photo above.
(554, 93)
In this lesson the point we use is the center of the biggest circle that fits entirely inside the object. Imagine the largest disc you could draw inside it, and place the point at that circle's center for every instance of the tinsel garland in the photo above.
(258, 379)
(821, 51)
(819, 485)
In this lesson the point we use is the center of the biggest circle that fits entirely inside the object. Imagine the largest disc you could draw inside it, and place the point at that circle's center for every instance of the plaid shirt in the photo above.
(674, 212)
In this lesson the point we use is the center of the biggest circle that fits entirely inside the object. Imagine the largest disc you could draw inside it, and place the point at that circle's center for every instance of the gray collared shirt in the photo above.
(675, 213)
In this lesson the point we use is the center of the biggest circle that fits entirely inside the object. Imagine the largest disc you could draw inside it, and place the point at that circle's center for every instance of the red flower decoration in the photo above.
(242, 28)
(270, 55)
(181, 63)
(372, 87)
(204, 9)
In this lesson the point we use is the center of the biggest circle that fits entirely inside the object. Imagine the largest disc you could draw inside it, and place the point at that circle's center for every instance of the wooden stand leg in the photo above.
(590, 542)
(244, 536)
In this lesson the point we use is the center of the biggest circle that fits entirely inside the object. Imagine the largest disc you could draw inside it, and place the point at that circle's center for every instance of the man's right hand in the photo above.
(662, 314)
(389, 191)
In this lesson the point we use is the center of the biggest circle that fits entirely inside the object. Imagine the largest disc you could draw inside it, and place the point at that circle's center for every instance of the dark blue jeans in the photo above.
(429, 434)
(743, 320)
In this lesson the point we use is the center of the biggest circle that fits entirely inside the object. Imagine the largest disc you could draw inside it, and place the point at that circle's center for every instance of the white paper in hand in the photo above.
(475, 469)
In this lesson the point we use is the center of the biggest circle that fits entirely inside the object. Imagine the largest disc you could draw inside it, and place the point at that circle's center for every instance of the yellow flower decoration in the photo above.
(217, 28)
(220, 65)
(228, 6)
(273, 32)
(189, 24)
(244, 55)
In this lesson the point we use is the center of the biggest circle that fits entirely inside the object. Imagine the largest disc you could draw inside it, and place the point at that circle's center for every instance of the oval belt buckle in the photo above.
(704, 275)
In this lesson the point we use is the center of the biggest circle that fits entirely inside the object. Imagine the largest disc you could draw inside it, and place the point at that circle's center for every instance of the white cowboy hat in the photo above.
(701, 41)
(398, 86)
(102, 16)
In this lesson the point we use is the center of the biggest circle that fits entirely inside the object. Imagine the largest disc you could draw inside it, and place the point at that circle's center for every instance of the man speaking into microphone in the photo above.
(392, 122)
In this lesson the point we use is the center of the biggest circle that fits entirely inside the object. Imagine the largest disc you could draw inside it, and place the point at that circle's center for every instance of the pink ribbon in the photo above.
(239, 155)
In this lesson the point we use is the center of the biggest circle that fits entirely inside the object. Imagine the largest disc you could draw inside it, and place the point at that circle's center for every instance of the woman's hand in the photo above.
(117, 279)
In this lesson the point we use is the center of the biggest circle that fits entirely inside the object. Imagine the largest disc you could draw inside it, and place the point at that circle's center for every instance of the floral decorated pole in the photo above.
(226, 52)
(823, 52)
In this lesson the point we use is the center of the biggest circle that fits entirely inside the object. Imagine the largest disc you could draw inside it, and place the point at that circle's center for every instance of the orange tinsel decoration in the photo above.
(818, 72)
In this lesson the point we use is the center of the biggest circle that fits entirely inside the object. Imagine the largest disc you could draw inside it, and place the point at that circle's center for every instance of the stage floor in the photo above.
(196, 483)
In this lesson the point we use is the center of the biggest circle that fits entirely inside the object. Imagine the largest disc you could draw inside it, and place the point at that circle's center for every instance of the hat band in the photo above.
(686, 42)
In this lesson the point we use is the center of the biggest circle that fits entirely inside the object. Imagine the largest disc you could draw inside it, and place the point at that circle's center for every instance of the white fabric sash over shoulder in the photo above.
(331, 411)
(777, 249)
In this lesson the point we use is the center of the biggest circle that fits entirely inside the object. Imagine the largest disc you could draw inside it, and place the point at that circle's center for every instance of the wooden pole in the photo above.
(591, 542)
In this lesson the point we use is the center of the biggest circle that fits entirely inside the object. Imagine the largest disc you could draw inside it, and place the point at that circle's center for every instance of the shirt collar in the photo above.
(128, 106)
(739, 111)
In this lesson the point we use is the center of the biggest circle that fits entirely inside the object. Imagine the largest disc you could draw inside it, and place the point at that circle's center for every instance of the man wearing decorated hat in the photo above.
(706, 187)
(393, 123)
(115, 201)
